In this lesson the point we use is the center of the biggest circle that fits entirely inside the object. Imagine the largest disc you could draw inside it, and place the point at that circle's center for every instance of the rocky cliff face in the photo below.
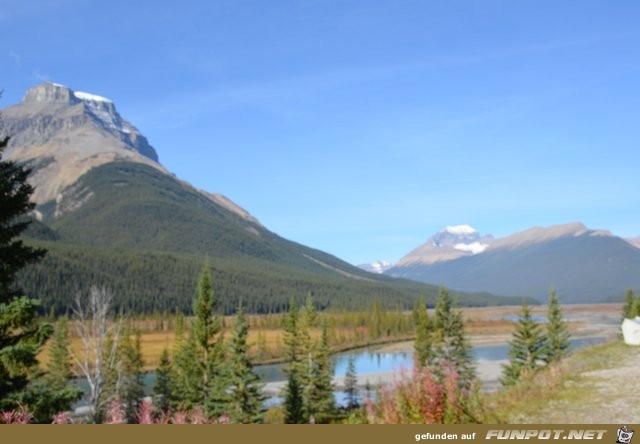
(62, 134)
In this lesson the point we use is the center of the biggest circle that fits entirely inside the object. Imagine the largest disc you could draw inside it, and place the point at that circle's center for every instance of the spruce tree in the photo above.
(53, 392)
(351, 385)
(162, 388)
(450, 343)
(59, 365)
(246, 396)
(423, 345)
(111, 376)
(320, 402)
(307, 363)
(15, 205)
(628, 309)
(186, 375)
(131, 390)
(293, 403)
(557, 331)
(21, 335)
(526, 348)
(200, 372)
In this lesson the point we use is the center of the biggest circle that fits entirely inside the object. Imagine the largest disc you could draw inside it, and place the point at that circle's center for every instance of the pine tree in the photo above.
(293, 404)
(557, 331)
(628, 309)
(246, 394)
(21, 335)
(162, 388)
(320, 402)
(424, 336)
(351, 385)
(526, 349)
(451, 346)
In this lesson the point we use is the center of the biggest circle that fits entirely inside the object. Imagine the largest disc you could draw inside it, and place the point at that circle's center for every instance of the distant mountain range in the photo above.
(110, 214)
(584, 265)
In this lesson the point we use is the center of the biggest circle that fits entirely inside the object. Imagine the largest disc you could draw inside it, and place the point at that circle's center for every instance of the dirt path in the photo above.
(606, 395)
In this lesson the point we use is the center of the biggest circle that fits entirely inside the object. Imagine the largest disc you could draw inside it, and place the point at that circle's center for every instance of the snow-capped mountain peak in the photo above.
(453, 242)
(460, 229)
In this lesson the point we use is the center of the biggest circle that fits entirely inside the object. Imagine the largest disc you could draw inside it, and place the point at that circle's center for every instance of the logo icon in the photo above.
(624, 435)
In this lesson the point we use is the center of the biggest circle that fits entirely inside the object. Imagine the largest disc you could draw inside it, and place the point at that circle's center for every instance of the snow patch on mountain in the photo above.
(473, 248)
(90, 97)
(378, 267)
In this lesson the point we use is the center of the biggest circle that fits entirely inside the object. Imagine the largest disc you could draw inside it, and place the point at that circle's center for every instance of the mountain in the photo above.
(584, 265)
(451, 243)
(110, 214)
(634, 241)
(378, 267)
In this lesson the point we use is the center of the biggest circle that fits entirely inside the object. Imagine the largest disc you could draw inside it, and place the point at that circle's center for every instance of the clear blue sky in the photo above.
(362, 127)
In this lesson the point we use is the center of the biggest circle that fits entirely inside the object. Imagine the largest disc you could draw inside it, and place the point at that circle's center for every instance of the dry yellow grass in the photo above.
(267, 344)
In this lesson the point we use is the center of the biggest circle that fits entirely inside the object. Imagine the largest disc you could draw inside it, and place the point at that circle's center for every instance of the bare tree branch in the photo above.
(94, 362)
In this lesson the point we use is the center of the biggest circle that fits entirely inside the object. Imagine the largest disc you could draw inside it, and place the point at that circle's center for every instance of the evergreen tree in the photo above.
(378, 320)
(59, 365)
(207, 329)
(186, 376)
(21, 335)
(131, 384)
(526, 349)
(424, 336)
(246, 393)
(53, 393)
(200, 374)
(162, 387)
(451, 346)
(636, 308)
(557, 331)
(112, 373)
(293, 404)
(15, 205)
(320, 402)
(293, 409)
(351, 385)
(307, 363)
(629, 307)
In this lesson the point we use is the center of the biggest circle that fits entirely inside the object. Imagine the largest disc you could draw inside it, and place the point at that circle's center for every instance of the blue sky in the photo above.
(363, 127)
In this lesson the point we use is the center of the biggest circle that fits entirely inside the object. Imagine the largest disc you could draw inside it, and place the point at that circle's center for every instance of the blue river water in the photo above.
(373, 360)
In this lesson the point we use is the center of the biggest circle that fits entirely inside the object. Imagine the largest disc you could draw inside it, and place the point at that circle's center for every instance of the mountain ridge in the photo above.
(583, 264)
(105, 208)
